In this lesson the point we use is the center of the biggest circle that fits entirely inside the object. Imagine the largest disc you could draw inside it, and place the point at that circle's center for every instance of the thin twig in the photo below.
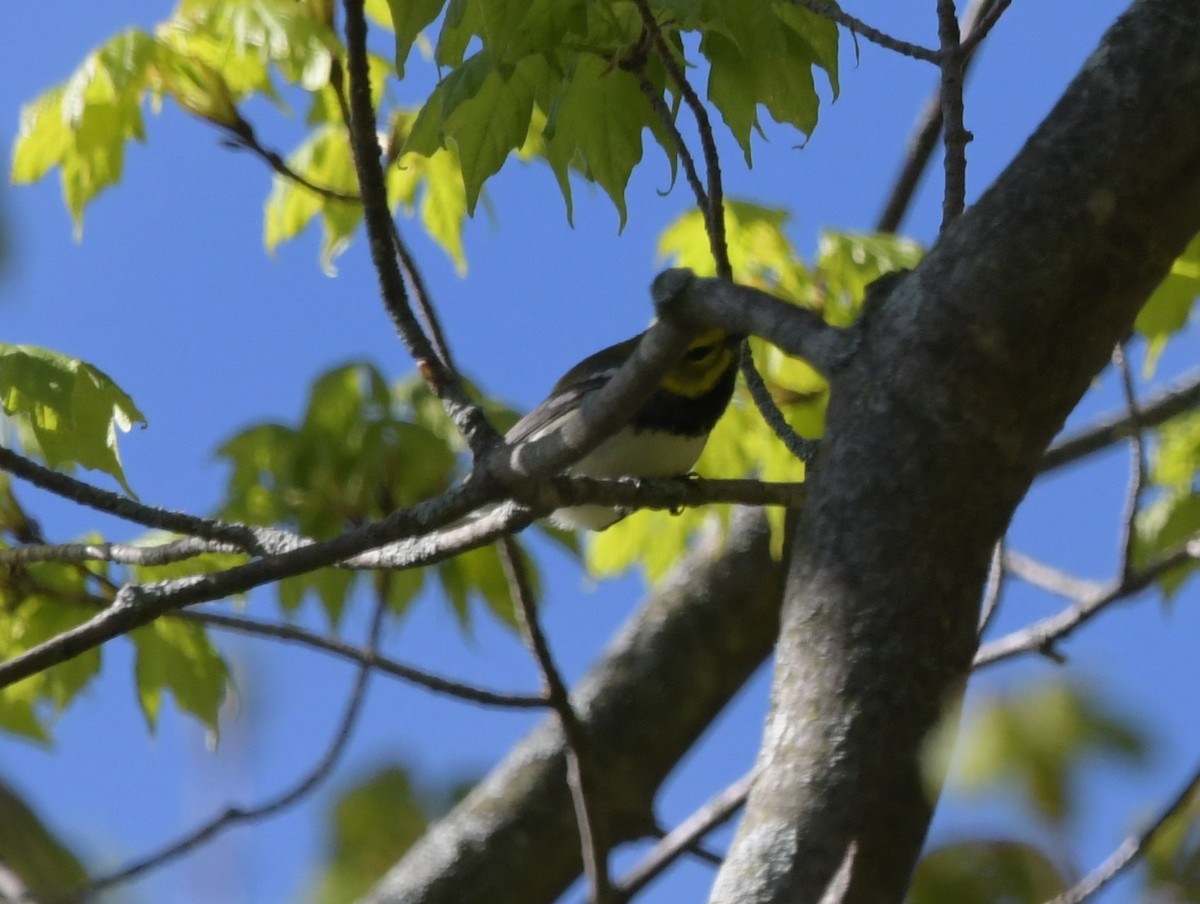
(239, 815)
(928, 126)
(468, 417)
(874, 35)
(986, 22)
(1137, 464)
(1176, 399)
(582, 775)
(801, 448)
(668, 121)
(955, 135)
(714, 813)
(242, 536)
(242, 137)
(1041, 636)
(1130, 849)
(423, 300)
(428, 680)
(712, 200)
(1051, 579)
(993, 589)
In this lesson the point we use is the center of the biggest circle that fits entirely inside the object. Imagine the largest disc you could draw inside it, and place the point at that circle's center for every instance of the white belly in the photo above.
(628, 454)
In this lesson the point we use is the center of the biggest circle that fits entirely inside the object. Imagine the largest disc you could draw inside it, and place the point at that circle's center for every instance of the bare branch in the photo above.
(1042, 635)
(712, 200)
(1051, 579)
(874, 35)
(240, 815)
(1130, 849)
(1176, 399)
(1137, 464)
(120, 553)
(950, 60)
(983, 26)
(801, 448)
(140, 604)
(480, 435)
(582, 774)
(428, 680)
(715, 812)
(242, 536)
(928, 125)
(993, 589)
(242, 137)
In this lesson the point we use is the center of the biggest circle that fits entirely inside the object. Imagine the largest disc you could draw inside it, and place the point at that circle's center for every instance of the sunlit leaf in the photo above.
(82, 125)
(71, 409)
(177, 656)
(1170, 308)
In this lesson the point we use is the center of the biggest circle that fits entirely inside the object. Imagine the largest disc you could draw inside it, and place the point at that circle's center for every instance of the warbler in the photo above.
(666, 434)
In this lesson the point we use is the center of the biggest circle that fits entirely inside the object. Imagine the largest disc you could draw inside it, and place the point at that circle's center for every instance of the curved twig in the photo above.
(582, 774)
(874, 35)
(238, 815)
(1130, 849)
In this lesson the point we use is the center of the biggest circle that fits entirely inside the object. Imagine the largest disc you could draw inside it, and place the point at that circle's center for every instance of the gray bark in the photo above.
(934, 434)
(662, 681)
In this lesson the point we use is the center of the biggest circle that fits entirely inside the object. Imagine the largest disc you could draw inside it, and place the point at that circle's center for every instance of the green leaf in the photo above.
(1169, 309)
(71, 410)
(986, 872)
(325, 160)
(1167, 523)
(35, 607)
(1037, 740)
(758, 57)
(371, 826)
(596, 123)
(178, 657)
(408, 18)
(444, 206)
(46, 866)
(478, 572)
(493, 122)
(242, 38)
(848, 262)
(197, 87)
(82, 125)
(1172, 860)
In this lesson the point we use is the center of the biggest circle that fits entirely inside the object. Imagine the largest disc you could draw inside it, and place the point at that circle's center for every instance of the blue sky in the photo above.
(171, 293)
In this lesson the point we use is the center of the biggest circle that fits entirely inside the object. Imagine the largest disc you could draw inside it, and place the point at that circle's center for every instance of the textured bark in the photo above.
(662, 681)
(934, 434)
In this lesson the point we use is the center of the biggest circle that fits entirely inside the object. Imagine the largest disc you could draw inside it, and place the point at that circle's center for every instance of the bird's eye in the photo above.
(698, 353)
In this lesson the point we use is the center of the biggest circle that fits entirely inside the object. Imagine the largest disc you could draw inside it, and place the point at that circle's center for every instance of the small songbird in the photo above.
(666, 435)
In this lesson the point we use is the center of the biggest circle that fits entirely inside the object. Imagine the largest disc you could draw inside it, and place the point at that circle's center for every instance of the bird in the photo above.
(665, 436)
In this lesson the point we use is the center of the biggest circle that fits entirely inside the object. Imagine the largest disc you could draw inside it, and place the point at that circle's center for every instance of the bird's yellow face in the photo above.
(709, 356)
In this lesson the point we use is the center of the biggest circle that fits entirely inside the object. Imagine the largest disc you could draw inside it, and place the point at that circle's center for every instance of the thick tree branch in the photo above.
(660, 683)
(962, 379)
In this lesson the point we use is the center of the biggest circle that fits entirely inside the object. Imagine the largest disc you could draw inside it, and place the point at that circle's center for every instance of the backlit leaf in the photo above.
(71, 409)
(177, 656)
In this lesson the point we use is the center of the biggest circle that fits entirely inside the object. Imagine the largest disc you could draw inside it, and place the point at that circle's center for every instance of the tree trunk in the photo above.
(934, 434)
